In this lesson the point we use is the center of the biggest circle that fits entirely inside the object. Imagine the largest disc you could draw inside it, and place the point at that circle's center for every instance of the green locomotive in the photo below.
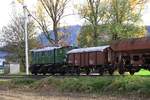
(49, 60)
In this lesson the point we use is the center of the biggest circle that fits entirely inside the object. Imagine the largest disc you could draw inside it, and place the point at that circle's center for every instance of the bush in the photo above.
(105, 84)
(85, 84)
(22, 81)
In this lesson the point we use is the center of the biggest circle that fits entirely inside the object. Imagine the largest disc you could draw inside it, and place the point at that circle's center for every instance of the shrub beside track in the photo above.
(137, 85)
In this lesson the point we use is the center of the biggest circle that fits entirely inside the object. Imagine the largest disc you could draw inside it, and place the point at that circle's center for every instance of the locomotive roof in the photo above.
(131, 44)
(45, 49)
(90, 49)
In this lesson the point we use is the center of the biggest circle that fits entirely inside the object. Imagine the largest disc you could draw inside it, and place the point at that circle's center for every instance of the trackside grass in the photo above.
(97, 85)
(143, 72)
(127, 84)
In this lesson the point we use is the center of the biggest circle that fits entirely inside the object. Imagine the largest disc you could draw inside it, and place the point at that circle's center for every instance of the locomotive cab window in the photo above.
(136, 58)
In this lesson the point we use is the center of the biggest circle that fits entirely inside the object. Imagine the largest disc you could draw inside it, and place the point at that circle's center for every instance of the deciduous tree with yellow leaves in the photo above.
(121, 18)
(94, 12)
(125, 17)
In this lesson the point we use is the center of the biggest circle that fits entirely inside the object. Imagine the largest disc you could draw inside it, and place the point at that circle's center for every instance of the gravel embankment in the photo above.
(17, 95)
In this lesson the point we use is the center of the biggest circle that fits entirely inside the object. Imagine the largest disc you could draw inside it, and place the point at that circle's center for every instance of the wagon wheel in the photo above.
(121, 71)
(71, 72)
(110, 71)
(44, 73)
(101, 71)
(87, 71)
(53, 73)
(78, 71)
(131, 72)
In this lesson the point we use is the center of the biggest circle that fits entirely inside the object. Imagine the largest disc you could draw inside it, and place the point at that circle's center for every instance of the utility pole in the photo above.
(25, 34)
(26, 38)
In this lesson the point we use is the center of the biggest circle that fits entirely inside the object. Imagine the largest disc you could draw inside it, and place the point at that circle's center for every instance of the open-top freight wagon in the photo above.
(92, 59)
(131, 55)
(123, 56)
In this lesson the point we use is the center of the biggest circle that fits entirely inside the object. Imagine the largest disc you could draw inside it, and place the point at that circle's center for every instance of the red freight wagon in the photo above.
(131, 55)
(88, 58)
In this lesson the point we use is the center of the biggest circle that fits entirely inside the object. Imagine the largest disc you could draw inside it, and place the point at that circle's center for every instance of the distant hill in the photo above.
(73, 30)
(148, 30)
(4, 54)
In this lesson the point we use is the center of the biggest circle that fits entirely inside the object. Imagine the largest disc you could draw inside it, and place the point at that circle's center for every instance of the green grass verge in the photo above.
(126, 84)
(97, 85)
(143, 72)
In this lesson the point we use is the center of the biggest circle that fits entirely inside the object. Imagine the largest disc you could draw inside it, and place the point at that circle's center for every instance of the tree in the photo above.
(116, 19)
(94, 12)
(54, 13)
(85, 38)
(124, 18)
(13, 37)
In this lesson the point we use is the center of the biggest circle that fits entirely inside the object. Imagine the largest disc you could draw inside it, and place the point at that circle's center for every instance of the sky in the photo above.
(146, 14)
(6, 9)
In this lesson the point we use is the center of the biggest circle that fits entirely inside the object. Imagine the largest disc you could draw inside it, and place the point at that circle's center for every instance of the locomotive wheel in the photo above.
(62, 73)
(34, 73)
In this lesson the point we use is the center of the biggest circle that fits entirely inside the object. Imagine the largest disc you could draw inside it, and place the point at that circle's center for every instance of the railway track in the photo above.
(22, 76)
(38, 77)
(44, 76)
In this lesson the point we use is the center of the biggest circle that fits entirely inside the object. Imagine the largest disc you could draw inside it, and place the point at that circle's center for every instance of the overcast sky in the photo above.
(6, 8)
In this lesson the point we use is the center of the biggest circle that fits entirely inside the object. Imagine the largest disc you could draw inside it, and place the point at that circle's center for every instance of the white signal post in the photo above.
(25, 34)
(26, 38)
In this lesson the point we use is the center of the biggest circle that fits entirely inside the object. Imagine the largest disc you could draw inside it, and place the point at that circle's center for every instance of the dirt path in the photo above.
(13, 95)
